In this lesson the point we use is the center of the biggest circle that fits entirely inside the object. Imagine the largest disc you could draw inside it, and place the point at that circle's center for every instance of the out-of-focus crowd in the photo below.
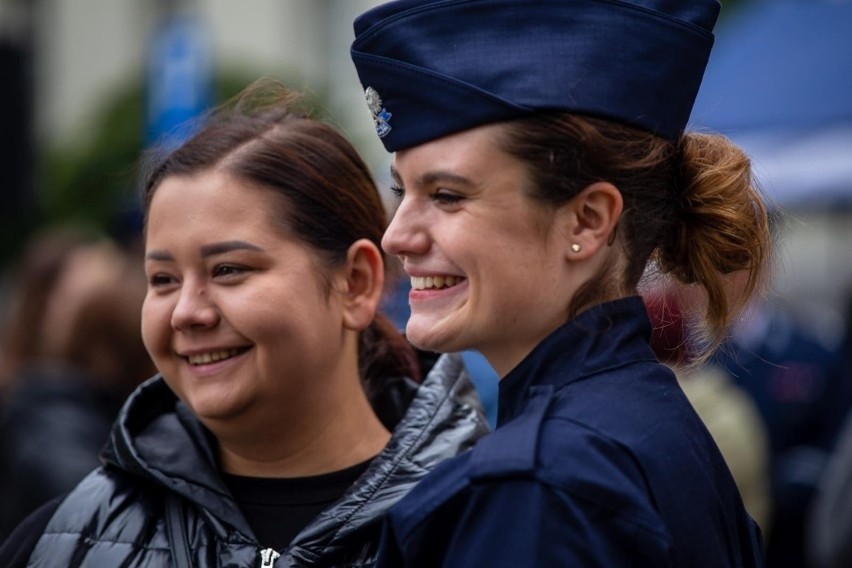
(71, 353)
(777, 401)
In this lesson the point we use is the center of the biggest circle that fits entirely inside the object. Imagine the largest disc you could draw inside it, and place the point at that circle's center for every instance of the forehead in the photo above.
(210, 201)
(477, 150)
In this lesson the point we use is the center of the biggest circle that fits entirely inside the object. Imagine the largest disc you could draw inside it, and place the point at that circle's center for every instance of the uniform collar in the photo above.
(603, 337)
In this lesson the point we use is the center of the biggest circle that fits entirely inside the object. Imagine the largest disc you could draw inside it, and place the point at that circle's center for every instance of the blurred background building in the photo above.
(87, 83)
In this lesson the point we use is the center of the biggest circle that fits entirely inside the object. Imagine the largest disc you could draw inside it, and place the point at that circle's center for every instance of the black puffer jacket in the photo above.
(158, 451)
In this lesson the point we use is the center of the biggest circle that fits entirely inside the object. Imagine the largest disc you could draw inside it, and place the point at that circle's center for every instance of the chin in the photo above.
(428, 340)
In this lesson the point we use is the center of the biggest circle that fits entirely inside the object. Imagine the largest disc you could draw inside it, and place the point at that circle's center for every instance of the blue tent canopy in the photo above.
(779, 83)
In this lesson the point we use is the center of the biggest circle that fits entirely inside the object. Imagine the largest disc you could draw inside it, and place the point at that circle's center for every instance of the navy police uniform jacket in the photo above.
(598, 460)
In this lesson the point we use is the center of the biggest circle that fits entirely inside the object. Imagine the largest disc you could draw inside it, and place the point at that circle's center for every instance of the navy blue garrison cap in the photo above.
(435, 67)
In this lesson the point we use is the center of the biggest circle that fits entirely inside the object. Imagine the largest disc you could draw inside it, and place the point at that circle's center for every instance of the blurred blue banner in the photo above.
(180, 78)
(779, 83)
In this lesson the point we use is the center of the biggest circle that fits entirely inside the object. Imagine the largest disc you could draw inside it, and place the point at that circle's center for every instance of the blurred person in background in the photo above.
(33, 277)
(73, 353)
(286, 417)
(803, 394)
(829, 520)
(728, 412)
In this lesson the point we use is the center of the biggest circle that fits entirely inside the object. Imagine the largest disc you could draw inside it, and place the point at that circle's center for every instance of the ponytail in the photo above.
(720, 239)
(691, 208)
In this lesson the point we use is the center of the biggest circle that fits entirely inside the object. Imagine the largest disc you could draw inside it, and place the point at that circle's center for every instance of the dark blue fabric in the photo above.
(598, 460)
(440, 67)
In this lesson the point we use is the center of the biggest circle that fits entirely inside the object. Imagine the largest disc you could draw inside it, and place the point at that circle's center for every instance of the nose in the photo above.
(194, 309)
(406, 234)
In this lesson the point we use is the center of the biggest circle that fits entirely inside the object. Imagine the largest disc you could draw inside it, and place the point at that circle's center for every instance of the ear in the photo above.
(364, 280)
(594, 215)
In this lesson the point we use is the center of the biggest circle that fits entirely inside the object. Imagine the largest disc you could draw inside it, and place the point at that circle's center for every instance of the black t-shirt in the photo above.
(277, 509)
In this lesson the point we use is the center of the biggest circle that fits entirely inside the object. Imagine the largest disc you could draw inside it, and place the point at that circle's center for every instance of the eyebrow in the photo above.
(159, 255)
(228, 246)
(207, 250)
(433, 177)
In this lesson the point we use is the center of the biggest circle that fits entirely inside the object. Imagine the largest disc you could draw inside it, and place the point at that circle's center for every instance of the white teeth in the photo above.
(212, 357)
(428, 282)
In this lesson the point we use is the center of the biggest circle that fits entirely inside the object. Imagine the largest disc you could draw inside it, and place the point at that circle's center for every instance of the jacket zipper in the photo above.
(268, 556)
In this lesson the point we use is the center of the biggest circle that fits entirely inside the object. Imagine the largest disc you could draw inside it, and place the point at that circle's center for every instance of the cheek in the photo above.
(293, 332)
(509, 278)
(155, 324)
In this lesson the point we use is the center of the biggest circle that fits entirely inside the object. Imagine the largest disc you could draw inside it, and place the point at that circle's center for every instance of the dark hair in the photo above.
(691, 208)
(327, 194)
(35, 276)
(102, 335)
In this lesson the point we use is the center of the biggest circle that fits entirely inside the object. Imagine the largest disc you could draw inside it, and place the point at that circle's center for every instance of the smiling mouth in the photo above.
(215, 356)
(434, 282)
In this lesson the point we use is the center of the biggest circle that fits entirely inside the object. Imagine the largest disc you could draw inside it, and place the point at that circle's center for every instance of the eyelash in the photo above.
(438, 196)
(159, 280)
(446, 198)
(228, 270)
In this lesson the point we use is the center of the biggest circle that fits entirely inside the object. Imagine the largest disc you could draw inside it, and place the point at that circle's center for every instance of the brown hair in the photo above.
(35, 276)
(328, 196)
(103, 331)
(691, 208)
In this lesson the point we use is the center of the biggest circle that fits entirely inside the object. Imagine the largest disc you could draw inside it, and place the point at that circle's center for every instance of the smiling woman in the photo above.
(236, 326)
(267, 433)
(543, 170)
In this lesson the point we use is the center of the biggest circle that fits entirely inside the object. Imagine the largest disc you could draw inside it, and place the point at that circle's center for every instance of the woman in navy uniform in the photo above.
(543, 169)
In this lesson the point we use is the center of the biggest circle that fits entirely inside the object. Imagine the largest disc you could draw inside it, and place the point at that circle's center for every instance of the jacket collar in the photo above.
(603, 337)
(444, 419)
(157, 438)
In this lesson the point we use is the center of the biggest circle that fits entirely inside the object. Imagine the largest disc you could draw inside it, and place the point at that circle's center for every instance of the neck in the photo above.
(329, 441)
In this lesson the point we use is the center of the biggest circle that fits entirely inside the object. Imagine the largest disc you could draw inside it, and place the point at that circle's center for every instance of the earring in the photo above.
(576, 247)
